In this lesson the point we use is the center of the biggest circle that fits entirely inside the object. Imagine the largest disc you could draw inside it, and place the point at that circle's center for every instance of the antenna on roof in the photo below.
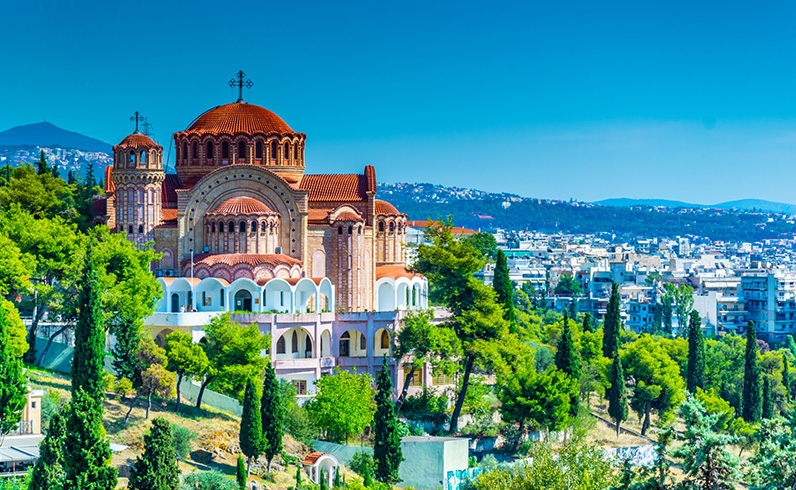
(138, 117)
(147, 127)
(240, 83)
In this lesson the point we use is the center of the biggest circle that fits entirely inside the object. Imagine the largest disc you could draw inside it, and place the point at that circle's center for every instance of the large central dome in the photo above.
(239, 117)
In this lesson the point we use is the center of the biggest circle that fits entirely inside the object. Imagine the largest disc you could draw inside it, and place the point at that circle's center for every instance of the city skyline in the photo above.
(676, 102)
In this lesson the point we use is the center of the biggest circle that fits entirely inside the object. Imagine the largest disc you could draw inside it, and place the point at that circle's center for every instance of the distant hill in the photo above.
(743, 204)
(49, 135)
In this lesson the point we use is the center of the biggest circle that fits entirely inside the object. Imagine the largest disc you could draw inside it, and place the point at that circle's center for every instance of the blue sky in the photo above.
(584, 100)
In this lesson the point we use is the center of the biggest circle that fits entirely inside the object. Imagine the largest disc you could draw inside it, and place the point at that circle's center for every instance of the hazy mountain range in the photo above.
(49, 135)
(742, 204)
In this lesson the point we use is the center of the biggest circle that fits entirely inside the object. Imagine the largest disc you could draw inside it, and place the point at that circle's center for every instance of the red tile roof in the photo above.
(317, 215)
(110, 187)
(240, 205)
(385, 208)
(238, 117)
(136, 140)
(250, 259)
(340, 187)
(312, 457)
(167, 214)
(394, 272)
(348, 216)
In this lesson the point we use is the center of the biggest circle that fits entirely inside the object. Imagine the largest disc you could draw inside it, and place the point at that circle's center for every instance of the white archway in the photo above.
(277, 296)
(211, 294)
(385, 294)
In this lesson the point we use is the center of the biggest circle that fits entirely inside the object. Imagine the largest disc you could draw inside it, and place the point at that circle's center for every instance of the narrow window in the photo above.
(213, 227)
(143, 157)
(262, 227)
(273, 150)
(339, 230)
(231, 227)
(392, 227)
(130, 229)
(140, 228)
(241, 150)
(350, 230)
(381, 226)
(385, 339)
(221, 301)
(363, 342)
(195, 150)
(242, 227)
(307, 346)
(254, 227)
(225, 150)
(287, 151)
(294, 342)
(221, 227)
(258, 149)
(209, 155)
(185, 151)
(295, 152)
(280, 345)
(132, 157)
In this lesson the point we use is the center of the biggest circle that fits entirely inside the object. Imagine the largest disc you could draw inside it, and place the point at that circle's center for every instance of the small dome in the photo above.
(241, 205)
(239, 117)
(136, 140)
(385, 208)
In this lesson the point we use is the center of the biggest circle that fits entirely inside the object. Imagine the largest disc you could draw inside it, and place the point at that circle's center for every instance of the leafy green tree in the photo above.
(477, 319)
(425, 344)
(792, 345)
(48, 471)
(774, 465)
(387, 445)
(541, 399)
(715, 405)
(568, 286)
(12, 379)
(87, 453)
(587, 323)
(251, 428)
(612, 325)
(485, 243)
(696, 354)
(658, 384)
(272, 410)
(185, 359)
(234, 356)
(657, 318)
(15, 268)
(617, 397)
(706, 462)
(343, 405)
(157, 468)
(241, 473)
(767, 405)
(680, 301)
(751, 380)
(87, 361)
(503, 287)
(786, 381)
(156, 381)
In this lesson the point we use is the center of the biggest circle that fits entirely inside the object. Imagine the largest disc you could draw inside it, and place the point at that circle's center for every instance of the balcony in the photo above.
(187, 319)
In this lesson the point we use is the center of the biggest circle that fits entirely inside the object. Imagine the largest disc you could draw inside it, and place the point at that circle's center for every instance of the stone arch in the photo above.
(351, 342)
(295, 341)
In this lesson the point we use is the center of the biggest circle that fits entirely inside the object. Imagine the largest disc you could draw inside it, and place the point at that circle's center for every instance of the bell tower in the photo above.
(138, 177)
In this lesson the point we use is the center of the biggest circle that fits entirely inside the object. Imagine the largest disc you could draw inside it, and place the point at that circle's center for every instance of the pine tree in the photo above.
(587, 323)
(12, 381)
(657, 318)
(503, 287)
(87, 453)
(157, 468)
(786, 377)
(48, 471)
(42, 166)
(251, 428)
(612, 325)
(87, 362)
(695, 374)
(751, 405)
(567, 356)
(367, 480)
(387, 447)
(91, 180)
(70, 178)
(272, 413)
(241, 474)
(125, 362)
(767, 406)
(573, 309)
(617, 397)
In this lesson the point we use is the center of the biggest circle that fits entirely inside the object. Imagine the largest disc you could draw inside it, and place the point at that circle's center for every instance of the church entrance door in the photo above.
(243, 301)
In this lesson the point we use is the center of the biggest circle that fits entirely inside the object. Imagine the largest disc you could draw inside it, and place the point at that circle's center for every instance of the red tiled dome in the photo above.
(135, 140)
(385, 208)
(241, 205)
(239, 117)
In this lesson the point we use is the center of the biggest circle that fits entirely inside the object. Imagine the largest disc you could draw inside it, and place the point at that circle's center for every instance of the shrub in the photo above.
(362, 460)
(183, 440)
(426, 406)
(51, 403)
(207, 480)
(297, 420)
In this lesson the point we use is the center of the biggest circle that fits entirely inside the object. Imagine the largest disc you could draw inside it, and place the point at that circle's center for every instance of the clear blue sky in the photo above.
(589, 100)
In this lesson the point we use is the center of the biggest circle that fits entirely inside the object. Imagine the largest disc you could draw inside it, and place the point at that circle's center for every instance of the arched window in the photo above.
(150, 197)
(209, 154)
(339, 230)
(294, 342)
(399, 227)
(231, 227)
(132, 157)
(392, 227)
(130, 229)
(225, 149)
(295, 152)
(241, 150)
(385, 339)
(242, 227)
(350, 230)
(221, 227)
(140, 196)
(185, 151)
(363, 342)
(254, 227)
(287, 151)
(213, 227)
(262, 227)
(359, 230)
(143, 157)
(381, 225)
(195, 150)
(140, 228)
(273, 150)
(280, 345)
(308, 345)
(258, 149)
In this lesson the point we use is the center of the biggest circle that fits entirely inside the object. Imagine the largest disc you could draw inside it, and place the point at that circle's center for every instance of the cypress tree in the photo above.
(128, 340)
(48, 471)
(767, 405)
(387, 448)
(12, 381)
(87, 453)
(786, 377)
(87, 361)
(567, 357)
(695, 374)
(323, 483)
(299, 486)
(272, 413)
(336, 483)
(751, 378)
(251, 428)
(657, 318)
(587, 324)
(502, 285)
(43, 167)
(70, 178)
(241, 475)
(157, 468)
(367, 480)
(612, 324)
(617, 400)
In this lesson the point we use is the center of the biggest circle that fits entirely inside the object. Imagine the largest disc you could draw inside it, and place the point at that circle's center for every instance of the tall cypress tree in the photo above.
(612, 324)
(751, 378)
(695, 374)
(588, 326)
(48, 471)
(87, 361)
(87, 453)
(157, 468)
(567, 357)
(617, 397)
(251, 428)
(502, 285)
(767, 410)
(241, 473)
(272, 413)
(12, 381)
(657, 318)
(387, 448)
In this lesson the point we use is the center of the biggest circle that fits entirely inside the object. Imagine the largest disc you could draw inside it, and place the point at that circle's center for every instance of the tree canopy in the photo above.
(343, 405)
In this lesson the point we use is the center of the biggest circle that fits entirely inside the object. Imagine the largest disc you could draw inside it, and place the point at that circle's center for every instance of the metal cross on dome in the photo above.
(240, 83)
(138, 117)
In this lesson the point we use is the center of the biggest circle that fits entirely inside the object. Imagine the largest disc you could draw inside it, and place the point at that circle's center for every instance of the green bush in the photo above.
(362, 460)
(183, 440)
(51, 403)
(207, 480)
(426, 406)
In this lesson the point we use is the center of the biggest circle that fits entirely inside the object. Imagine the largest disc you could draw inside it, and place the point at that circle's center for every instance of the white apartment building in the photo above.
(770, 298)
